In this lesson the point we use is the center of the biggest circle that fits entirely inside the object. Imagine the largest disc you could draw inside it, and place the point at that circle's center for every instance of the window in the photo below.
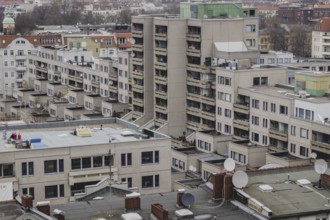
(303, 133)
(255, 137)
(54, 166)
(86, 162)
(293, 130)
(178, 164)
(283, 110)
(150, 157)
(265, 123)
(273, 107)
(224, 96)
(28, 191)
(5, 53)
(224, 80)
(27, 169)
(264, 140)
(203, 145)
(206, 175)
(6, 170)
(127, 180)
(219, 111)
(260, 81)
(98, 161)
(241, 158)
(293, 148)
(227, 129)
(265, 106)
(126, 159)
(304, 151)
(255, 120)
(54, 191)
(150, 181)
(227, 113)
(250, 28)
(255, 103)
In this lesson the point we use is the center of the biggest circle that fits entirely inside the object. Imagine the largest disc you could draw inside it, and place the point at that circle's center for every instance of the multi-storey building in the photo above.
(14, 51)
(176, 68)
(321, 38)
(56, 161)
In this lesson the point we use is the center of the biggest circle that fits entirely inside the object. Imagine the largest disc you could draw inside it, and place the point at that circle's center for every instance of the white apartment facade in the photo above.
(53, 170)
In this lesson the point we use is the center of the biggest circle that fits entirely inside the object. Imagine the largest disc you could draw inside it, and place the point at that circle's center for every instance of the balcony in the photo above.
(95, 83)
(137, 47)
(138, 102)
(57, 73)
(137, 60)
(241, 124)
(208, 99)
(76, 78)
(320, 147)
(161, 94)
(113, 88)
(161, 109)
(279, 135)
(193, 125)
(207, 115)
(20, 57)
(193, 37)
(19, 79)
(137, 33)
(21, 68)
(193, 111)
(198, 68)
(160, 65)
(242, 108)
(160, 36)
(113, 77)
(43, 69)
(137, 88)
(193, 96)
(161, 80)
(137, 74)
(161, 51)
(193, 52)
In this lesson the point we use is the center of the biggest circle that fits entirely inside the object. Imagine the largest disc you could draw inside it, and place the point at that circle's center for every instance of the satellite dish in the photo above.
(240, 179)
(229, 164)
(132, 40)
(313, 155)
(320, 166)
(188, 199)
(192, 168)
(132, 54)
(110, 82)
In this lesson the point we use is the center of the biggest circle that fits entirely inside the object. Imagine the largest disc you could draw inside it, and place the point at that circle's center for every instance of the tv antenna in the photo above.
(240, 179)
(229, 164)
(320, 167)
(188, 200)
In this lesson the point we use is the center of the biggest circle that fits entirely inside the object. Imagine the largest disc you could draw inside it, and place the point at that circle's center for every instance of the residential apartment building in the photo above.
(14, 51)
(177, 65)
(320, 38)
(56, 161)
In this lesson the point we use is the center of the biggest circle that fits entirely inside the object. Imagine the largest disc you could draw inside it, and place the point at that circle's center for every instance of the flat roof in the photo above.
(114, 206)
(287, 197)
(62, 135)
(278, 92)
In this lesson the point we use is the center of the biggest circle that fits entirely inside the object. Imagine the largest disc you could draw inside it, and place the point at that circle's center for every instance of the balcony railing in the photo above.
(277, 134)
(320, 146)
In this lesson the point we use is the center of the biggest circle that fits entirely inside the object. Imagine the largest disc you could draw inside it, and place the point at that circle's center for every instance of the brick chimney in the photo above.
(133, 201)
(218, 185)
(44, 207)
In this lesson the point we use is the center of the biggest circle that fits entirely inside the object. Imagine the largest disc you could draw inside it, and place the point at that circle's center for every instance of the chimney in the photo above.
(325, 179)
(133, 201)
(159, 212)
(228, 186)
(27, 201)
(59, 215)
(179, 197)
(44, 207)
(218, 183)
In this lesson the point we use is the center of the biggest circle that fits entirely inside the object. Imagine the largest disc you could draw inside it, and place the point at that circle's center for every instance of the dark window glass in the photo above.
(123, 159)
(31, 168)
(24, 170)
(8, 169)
(156, 180)
(31, 189)
(129, 159)
(61, 165)
(62, 190)
(75, 164)
(50, 166)
(156, 156)
(24, 191)
(107, 160)
(147, 157)
(97, 161)
(86, 162)
(147, 181)
(51, 192)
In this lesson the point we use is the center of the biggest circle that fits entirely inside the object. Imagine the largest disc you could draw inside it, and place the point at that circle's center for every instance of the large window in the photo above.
(91, 162)
(54, 166)
(126, 159)
(6, 170)
(127, 180)
(303, 133)
(150, 181)
(283, 110)
(255, 120)
(241, 158)
(150, 157)
(27, 169)
(54, 191)
(255, 137)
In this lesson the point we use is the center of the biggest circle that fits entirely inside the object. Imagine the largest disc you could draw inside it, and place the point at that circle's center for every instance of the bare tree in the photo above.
(300, 41)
